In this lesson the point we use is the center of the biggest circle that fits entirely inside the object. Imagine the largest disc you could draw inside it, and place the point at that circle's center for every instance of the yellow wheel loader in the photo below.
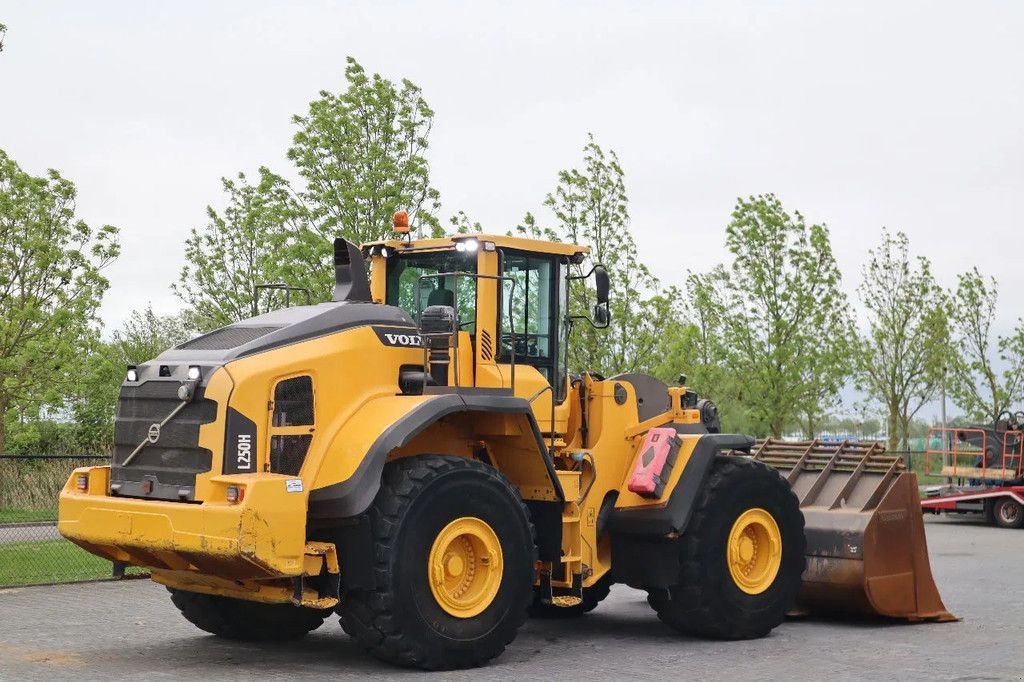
(416, 456)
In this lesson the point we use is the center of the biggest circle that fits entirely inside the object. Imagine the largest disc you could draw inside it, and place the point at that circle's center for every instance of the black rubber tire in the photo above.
(1008, 513)
(989, 513)
(247, 620)
(400, 621)
(592, 596)
(706, 602)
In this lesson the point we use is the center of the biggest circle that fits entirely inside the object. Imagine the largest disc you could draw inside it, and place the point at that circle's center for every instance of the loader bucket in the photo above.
(866, 548)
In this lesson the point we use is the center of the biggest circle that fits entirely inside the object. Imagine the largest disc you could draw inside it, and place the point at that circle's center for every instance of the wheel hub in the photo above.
(754, 551)
(465, 566)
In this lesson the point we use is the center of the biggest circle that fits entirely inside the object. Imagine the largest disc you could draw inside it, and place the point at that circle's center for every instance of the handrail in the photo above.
(965, 445)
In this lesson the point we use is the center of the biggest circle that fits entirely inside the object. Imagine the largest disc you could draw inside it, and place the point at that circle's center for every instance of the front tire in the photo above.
(247, 620)
(454, 565)
(741, 556)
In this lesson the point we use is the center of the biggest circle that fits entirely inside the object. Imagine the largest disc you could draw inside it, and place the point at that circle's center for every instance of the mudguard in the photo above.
(373, 432)
(674, 515)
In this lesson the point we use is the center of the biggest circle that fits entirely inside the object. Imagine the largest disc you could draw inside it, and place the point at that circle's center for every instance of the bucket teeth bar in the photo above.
(834, 475)
(866, 548)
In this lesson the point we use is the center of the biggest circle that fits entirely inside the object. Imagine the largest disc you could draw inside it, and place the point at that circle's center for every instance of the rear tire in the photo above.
(592, 596)
(1008, 513)
(247, 620)
(708, 601)
(422, 612)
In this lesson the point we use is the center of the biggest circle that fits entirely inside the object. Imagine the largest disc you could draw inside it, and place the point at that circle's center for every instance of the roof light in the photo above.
(401, 222)
(472, 245)
(489, 246)
(133, 374)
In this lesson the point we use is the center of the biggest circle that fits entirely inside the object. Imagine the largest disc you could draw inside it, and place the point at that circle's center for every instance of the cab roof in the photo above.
(499, 241)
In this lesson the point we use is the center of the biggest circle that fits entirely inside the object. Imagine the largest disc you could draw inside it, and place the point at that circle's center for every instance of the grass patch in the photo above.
(48, 561)
(8, 515)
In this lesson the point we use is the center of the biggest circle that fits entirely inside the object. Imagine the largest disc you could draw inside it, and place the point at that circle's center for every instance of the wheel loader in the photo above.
(416, 456)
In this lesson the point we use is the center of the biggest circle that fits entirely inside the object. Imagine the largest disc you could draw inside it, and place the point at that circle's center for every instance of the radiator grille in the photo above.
(175, 458)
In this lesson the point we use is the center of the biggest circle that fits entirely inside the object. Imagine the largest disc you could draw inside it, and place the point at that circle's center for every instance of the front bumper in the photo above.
(260, 537)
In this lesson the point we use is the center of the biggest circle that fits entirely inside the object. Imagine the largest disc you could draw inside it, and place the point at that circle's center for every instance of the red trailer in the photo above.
(987, 469)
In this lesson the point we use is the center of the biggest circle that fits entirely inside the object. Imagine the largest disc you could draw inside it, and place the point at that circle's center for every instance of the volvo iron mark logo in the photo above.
(403, 337)
(153, 435)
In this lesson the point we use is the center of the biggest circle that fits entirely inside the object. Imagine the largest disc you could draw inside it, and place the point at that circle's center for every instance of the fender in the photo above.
(353, 496)
(674, 516)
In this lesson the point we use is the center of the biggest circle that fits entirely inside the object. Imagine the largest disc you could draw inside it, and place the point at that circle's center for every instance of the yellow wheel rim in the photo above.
(754, 551)
(465, 566)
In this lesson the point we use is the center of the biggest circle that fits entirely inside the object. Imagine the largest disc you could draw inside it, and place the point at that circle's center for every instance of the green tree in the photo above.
(782, 317)
(695, 349)
(51, 285)
(900, 360)
(978, 386)
(590, 206)
(239, 247)
(462, 224)
(362, 155)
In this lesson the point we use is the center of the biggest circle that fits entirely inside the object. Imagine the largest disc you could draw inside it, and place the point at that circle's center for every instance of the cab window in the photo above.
(405, 273)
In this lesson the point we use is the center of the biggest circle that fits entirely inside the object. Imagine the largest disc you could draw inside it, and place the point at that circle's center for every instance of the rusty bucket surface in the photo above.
(866, 548)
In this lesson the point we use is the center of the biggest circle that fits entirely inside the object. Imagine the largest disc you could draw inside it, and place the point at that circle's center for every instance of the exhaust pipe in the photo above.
(350, 282)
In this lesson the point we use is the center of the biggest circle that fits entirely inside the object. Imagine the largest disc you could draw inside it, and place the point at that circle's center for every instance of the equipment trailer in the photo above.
(415, 456)
(986, 463)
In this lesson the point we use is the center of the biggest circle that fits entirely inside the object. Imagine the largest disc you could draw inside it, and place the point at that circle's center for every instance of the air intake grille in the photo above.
(227, 338)
(293, 402)
(486, 347)
(287, 453)
(293, 406)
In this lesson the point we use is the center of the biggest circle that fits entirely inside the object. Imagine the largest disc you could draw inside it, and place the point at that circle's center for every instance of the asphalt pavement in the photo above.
(130, 630)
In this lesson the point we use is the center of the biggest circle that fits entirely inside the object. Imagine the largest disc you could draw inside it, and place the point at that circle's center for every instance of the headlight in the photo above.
(194, 373)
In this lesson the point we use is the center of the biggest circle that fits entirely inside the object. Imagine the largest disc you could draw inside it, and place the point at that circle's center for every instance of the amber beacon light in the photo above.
(401, 222)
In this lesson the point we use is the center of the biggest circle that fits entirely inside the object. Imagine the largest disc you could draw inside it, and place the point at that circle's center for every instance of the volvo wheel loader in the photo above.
(416, 456)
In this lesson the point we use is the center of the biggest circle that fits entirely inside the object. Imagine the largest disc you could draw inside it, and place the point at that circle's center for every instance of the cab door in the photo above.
(530, 332)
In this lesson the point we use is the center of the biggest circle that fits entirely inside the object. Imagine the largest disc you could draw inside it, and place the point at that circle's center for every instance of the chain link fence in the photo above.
(32, 552)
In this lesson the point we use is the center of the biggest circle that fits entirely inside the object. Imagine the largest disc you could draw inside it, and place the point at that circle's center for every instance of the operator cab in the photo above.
(510, 298)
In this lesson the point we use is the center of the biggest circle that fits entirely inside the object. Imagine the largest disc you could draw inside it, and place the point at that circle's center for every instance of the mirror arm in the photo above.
(591, 322)
(586, 276)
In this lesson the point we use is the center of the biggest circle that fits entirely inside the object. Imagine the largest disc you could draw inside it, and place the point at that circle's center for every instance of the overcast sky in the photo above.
(860, 114)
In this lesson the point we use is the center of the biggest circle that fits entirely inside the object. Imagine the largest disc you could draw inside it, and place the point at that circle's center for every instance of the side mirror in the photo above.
(602, 316)
(602, 284)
